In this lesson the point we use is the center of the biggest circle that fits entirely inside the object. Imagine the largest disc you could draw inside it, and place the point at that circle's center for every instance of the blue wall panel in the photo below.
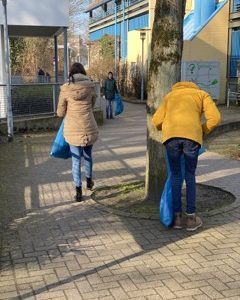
(235, 53)
(110, 30)
(131, 24)
(236, 5)
(138, 22)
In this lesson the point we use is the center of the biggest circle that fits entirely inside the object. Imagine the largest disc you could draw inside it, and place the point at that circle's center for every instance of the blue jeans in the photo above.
(109, 108)
(77, 154)
(189, 149)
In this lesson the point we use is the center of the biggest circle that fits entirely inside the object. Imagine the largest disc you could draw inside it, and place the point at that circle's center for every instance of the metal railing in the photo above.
(30, 99)
(103, 14)
(233, 94)
(35, 99)
(27, 79)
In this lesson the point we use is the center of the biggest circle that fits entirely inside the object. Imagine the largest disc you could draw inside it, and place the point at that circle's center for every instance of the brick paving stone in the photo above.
(211, 292)
(201, 297)
(72, 294)
(95, 295)
(66, 250)
(172, 284)
(154, 297)
(195, 284)
(145, 292)
(8, 295)
(49, 295)
(128, 285)
(218, 285)
(119, 293)
(8, 288)
(165, 293)
(187, 293)
(84, 286)
(105, 286)
(179, 277)
(232, 292)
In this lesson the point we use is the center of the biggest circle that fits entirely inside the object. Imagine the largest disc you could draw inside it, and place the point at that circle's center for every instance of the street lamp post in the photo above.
(7, 68)
(142, 37)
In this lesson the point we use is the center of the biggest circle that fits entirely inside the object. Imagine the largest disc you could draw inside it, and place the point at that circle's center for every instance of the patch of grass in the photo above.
(145, 208)
(130, 198)
(232, 152)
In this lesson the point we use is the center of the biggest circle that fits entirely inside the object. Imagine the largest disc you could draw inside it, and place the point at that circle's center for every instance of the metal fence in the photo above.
(233, 93)
(27, 79)
(35, 99)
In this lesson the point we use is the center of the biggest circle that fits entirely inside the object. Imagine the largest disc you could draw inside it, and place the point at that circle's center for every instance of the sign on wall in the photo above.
(206, 74)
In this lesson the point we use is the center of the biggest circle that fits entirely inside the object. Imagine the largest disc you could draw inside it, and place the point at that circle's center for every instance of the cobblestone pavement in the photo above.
(57, 249)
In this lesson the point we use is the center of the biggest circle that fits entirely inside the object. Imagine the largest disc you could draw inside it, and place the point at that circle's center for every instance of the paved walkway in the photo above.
(58, 249)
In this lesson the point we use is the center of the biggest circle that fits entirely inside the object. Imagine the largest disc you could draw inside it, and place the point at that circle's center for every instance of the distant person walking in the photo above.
(48, 77)
(179, 118)
(109, 90)
(41, 75)
(76, 102)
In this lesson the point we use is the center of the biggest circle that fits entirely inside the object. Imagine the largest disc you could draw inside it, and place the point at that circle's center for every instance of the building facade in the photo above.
(211, 32)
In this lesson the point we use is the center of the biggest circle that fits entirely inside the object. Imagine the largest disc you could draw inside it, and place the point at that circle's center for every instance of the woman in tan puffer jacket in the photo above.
(76, 102)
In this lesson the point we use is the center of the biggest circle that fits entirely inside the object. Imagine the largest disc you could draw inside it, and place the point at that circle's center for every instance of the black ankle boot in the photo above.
(90, 183)
(78, 196)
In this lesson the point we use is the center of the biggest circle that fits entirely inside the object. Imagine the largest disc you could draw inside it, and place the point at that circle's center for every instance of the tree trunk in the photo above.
(165, 70)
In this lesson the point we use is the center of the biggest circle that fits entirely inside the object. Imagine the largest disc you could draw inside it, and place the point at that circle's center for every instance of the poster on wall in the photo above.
(206, 74)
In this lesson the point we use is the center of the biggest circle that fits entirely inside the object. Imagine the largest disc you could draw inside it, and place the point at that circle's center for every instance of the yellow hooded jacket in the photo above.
(180, 112)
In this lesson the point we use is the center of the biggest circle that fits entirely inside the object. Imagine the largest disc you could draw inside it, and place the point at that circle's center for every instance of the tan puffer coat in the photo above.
(76, 102)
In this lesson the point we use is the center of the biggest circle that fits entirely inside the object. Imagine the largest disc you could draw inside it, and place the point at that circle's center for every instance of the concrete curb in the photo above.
(223, 128)
(42, 123)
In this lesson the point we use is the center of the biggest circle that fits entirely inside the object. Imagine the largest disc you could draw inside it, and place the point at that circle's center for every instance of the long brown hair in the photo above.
(76, 68)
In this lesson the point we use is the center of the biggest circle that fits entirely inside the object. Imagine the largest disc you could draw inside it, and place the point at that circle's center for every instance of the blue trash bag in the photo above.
(166, 202)
(60, 148)
(119, 105)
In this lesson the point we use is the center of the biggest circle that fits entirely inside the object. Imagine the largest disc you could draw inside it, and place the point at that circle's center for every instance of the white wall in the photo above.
(37, 12)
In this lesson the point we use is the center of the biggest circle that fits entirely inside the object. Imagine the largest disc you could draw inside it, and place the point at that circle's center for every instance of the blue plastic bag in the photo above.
(166, 202)
(60, 147)
(119, 105)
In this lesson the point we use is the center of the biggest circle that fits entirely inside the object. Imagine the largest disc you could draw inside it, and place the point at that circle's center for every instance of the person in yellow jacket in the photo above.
(179, 117)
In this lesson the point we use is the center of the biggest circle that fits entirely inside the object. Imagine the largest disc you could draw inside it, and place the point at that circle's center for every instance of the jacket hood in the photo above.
(79, 90)
(185, 85)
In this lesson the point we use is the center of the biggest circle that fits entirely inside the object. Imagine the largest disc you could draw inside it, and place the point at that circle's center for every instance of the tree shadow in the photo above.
(81, 243)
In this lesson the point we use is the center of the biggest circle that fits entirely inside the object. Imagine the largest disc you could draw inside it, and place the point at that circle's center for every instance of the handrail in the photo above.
(111, 11)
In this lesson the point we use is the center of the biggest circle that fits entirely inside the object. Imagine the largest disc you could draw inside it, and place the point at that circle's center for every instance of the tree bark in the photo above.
(165, 70)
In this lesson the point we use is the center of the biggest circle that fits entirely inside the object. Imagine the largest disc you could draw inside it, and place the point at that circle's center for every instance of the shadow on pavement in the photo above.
(57, 233)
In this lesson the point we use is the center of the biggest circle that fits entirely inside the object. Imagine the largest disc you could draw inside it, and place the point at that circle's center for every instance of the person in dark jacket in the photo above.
(110, 89)
(41, 75)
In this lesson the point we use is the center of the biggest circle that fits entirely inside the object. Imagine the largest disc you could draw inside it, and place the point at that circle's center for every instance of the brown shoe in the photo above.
(177, 222)
(193, 222)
